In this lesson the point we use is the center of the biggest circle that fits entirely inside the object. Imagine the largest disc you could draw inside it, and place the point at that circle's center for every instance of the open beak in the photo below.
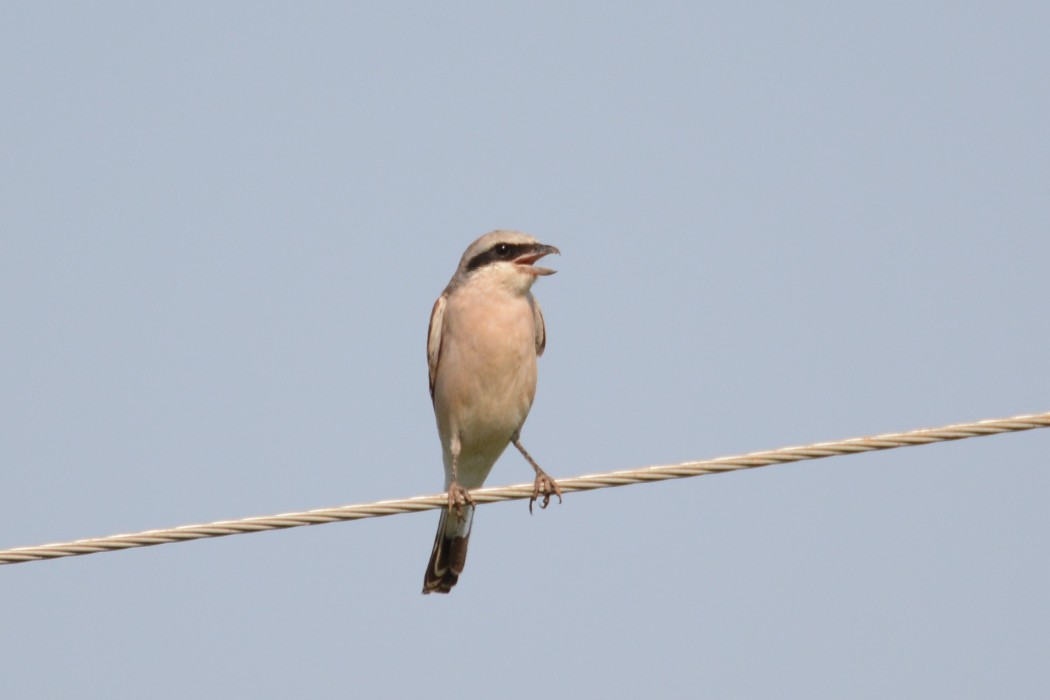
(526, 261)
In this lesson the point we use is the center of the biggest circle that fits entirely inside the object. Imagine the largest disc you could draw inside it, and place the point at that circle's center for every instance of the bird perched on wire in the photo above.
(486, 331)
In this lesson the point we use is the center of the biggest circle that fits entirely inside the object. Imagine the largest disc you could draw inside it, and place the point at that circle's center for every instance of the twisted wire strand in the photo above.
(588, 482)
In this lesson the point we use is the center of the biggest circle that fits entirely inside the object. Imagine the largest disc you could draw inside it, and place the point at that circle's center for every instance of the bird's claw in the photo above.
(457, 498)
(546, 487)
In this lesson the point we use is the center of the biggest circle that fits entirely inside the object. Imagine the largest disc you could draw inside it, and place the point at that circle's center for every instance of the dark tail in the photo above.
(450, 552)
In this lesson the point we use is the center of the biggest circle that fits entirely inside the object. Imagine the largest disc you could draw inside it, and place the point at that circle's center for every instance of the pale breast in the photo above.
(486, 377)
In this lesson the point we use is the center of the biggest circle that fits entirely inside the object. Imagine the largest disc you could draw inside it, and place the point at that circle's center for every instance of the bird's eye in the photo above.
(502, 250)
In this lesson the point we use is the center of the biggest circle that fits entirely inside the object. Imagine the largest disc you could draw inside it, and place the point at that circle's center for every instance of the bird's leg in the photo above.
(457, 495)
(544, 485)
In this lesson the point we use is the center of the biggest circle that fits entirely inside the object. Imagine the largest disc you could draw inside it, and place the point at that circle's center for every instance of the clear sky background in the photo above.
(222, 227)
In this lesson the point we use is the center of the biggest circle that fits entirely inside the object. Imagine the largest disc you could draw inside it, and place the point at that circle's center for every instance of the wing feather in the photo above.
(437, 316)
(541, 327)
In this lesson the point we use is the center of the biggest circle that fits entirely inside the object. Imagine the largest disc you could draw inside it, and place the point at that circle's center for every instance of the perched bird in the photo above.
(486, 331)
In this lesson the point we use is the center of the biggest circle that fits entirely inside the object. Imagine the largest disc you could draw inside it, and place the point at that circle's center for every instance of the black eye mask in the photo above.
(500, 252)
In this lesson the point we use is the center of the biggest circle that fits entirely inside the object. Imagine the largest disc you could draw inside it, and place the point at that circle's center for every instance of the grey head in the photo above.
(510, 254)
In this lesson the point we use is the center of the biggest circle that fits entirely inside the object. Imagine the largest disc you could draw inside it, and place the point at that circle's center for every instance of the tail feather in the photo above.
(450, 552)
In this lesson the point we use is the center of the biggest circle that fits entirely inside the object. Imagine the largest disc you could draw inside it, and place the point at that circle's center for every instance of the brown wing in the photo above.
(434, 340)
(541, 327)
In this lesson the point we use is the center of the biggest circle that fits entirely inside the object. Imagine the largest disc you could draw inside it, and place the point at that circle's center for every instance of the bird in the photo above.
(486, 332)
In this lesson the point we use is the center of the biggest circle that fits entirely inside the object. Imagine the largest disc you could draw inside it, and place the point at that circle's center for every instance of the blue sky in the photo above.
(223, 227)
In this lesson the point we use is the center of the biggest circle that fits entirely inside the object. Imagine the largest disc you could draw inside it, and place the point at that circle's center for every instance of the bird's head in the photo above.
(507, 258)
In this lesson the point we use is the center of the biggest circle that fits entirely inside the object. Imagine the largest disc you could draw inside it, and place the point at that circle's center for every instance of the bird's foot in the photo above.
(457, 498)
(546, 487)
